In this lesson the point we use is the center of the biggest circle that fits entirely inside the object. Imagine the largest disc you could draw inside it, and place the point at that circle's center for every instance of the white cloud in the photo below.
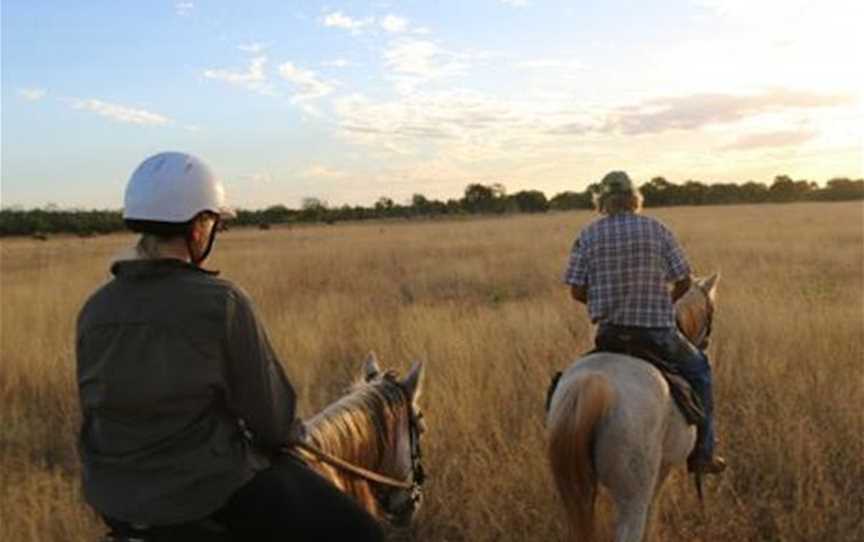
(254, 47)
(192, 128)
(337, 19)
(337, 63)
(307, 82)
(32, 94)
(394, 24)
(413, 62)
(459, 124)
(183, 8)
(121, 113)
(252, 79)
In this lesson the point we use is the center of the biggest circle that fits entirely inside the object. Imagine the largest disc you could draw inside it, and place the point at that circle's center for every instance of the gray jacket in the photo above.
(170, 359)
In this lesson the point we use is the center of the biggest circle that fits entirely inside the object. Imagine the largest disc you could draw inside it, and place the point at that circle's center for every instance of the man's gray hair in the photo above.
(619, 202)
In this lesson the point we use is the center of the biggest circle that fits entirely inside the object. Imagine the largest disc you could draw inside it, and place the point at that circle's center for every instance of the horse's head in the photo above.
(695, 310)
(403, 462)
(374, 435)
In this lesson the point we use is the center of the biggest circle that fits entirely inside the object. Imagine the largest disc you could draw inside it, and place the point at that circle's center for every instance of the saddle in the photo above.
(688, 402)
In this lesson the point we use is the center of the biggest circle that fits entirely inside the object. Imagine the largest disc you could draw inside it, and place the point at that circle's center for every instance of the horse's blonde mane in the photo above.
(361, 428)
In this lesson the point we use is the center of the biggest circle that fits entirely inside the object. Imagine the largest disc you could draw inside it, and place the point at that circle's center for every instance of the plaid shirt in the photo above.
(626, 261)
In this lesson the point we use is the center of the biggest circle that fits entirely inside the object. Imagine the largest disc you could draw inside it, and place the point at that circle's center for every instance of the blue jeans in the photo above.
(691, 363)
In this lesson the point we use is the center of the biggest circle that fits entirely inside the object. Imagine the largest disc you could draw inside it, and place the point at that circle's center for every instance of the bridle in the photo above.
(418, 474)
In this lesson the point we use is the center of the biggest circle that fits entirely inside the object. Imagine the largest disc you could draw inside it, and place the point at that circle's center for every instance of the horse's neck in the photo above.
(356, 435)
(690, 314)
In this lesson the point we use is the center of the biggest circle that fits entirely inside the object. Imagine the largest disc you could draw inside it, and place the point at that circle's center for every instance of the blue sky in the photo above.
(350, 101)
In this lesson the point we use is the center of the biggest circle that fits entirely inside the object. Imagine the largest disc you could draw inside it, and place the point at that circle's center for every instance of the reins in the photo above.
(350, 467)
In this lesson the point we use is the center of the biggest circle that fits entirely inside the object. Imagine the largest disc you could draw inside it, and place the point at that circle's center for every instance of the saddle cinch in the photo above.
(688, 402)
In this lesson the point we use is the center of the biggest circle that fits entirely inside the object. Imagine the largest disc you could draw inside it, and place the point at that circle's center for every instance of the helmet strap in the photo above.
(195, 258)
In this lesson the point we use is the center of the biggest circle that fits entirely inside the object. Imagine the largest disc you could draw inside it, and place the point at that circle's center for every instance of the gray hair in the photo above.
(149, 246)
(620, 202)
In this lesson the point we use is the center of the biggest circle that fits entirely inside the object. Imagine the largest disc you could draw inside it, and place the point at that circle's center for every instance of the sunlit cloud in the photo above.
(337, 19)
(306, 82)
(253, 79)
(121, 113)
(183, 8)
(318, 171)
(747, 9)
(772, 139)
(463, 125)
(32, 94)
(695, 111)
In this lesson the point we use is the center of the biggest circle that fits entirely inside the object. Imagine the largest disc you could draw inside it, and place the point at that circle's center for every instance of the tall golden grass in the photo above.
(482, 303)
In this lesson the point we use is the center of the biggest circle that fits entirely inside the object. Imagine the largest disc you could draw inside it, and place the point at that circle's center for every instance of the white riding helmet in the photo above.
(173, 187)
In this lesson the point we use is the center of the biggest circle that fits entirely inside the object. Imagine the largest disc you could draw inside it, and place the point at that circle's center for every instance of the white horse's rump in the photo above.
(612, 421)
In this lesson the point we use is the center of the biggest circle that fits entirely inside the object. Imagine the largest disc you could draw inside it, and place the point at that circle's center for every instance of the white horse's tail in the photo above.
(572, 426)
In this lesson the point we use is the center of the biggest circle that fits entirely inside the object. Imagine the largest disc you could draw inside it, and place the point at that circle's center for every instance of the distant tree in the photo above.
(479, 198)
(753, 192)
(844, 189)
(384, 206)
(571, 200)
(785, 189)
(531, 201)
(313, 210)
(276, 214)
(658, 191)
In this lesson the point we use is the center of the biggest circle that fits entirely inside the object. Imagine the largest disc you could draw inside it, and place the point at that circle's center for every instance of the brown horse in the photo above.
(612, 421)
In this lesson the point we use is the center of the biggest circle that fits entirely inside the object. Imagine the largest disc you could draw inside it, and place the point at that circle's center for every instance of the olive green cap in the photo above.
(617, 182)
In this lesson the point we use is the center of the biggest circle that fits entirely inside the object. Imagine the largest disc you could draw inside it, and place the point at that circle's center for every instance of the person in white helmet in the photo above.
(184, 402)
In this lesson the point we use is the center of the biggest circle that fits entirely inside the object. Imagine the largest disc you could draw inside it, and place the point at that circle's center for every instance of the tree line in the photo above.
(478, 198)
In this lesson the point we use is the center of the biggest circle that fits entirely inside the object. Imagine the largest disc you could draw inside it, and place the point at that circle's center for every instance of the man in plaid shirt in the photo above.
(621, 266)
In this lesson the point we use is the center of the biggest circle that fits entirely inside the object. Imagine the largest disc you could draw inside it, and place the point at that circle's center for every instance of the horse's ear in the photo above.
(370, 367)
(413, 382)
(710, 284)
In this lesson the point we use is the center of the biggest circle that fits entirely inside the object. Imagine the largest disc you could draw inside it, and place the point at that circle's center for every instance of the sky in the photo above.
(349, 101)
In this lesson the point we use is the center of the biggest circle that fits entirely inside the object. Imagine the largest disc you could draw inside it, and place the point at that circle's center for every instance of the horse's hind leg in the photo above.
(632, 483)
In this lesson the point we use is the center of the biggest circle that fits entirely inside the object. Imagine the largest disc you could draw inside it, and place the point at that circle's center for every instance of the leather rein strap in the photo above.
(353, 469)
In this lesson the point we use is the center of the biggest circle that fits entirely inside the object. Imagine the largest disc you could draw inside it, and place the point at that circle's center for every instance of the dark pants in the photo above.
(286, 502)
(289, 501)
(691, 363)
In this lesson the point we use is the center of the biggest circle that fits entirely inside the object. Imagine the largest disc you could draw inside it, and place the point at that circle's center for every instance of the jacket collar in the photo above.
(154, 268)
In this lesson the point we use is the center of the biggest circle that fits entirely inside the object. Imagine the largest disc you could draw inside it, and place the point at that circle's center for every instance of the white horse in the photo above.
(612, 421)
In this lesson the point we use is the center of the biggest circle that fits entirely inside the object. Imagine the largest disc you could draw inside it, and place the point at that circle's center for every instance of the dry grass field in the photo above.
(482, 303)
